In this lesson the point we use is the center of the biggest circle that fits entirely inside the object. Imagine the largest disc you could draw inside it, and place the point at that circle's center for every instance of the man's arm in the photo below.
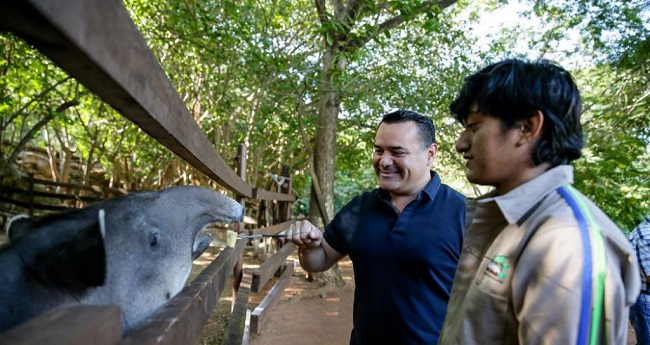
(314, 252)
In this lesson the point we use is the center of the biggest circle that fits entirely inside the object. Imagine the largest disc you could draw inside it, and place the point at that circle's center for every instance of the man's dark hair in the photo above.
(513, 90)
(426, 129)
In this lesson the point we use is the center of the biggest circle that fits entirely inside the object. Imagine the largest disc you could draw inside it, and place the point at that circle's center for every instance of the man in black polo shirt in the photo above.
(404, 238)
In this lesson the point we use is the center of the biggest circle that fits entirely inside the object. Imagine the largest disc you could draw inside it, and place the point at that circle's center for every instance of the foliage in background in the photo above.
(606, 46)
(616, 101)
(249, 71)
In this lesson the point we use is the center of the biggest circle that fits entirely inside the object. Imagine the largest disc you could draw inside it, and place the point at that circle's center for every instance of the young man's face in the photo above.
(401, 164)
(494, 154)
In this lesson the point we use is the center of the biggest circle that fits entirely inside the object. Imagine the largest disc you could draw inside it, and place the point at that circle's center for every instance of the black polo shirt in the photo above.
(403, 264)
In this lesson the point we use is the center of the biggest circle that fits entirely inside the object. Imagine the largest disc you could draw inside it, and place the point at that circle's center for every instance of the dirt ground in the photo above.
(305, 314)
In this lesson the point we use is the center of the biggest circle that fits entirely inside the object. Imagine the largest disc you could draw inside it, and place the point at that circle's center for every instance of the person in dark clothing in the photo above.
(403, 238)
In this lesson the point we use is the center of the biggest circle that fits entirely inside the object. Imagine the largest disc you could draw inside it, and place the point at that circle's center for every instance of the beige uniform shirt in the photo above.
(519, 279)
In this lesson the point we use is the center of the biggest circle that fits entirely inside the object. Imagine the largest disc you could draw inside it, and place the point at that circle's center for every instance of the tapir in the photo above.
(134, 251)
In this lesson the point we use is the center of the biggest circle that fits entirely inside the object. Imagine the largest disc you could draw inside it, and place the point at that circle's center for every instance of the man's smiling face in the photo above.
(401, 163)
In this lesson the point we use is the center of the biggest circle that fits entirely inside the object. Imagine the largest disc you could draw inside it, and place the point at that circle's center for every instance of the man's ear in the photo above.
(531, 128)
(432, 152)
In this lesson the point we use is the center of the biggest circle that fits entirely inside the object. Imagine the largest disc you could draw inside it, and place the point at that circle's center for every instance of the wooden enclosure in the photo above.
(97, 43)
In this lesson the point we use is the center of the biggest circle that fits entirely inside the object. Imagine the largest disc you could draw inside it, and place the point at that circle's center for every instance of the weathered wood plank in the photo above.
(266, 195)
(97, 43)
(261, 312)
(180, 320)
(247, 328)
(262, 274)
(272, 230)
(69, 325)
(237, 323)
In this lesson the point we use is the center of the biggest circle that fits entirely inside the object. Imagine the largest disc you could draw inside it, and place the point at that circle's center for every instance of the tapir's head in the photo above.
(150, 241)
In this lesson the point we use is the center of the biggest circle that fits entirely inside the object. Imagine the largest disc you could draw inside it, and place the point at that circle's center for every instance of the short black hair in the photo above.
(426, 129)
(513, 90)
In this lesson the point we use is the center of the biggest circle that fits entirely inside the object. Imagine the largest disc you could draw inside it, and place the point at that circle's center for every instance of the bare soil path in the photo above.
(310, 315)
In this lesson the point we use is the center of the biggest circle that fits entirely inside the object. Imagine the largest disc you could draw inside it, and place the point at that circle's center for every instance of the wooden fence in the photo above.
(97, 43)
(31, 199)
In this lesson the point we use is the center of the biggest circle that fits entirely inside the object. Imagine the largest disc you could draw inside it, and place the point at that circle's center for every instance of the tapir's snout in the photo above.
(237, 211)
(241, 216)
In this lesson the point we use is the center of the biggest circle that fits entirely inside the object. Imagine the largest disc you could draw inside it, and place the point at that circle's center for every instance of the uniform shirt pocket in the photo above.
(488, 312)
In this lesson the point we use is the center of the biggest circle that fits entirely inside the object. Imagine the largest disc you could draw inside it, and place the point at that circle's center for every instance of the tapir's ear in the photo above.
(78, 263)
(18, 226)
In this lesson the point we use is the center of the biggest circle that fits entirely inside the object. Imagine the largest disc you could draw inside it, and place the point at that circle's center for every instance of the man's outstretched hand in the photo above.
(303, 234)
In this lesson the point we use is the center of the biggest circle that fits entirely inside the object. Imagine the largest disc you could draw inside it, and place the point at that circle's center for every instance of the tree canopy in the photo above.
(304, 84)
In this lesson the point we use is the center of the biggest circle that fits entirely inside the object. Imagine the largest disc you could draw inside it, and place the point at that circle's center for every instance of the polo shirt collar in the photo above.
(515, 204)
(433, 186)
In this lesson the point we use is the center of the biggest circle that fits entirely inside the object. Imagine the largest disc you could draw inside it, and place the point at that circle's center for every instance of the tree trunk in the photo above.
(329, 102)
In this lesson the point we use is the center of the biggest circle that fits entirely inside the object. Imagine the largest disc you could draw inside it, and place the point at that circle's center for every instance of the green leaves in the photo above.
(251, 72)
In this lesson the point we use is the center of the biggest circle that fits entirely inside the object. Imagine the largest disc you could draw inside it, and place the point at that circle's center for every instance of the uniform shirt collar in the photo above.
(516, 204)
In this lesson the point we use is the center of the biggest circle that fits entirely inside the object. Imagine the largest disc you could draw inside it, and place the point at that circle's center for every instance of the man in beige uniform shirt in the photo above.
(540, 264)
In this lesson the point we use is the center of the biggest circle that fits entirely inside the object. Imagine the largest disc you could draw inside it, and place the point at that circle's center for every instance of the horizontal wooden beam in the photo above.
(265, 271)
(266, 195)
(69, 325)
(180, 320)
(261, 312)
(272, 230)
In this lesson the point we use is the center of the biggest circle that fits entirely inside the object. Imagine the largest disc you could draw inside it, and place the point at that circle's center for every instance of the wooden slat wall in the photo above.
(18, 191)
(36, 206)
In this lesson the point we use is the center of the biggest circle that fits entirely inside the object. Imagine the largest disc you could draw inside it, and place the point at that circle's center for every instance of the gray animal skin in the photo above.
(137, 257)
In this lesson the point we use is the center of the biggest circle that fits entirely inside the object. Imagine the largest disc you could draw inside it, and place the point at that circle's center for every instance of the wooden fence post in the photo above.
(283, 209)
(237, 269)
(285, 206)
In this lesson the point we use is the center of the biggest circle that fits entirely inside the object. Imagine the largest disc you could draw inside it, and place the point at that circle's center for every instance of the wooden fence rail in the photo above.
(97, 43)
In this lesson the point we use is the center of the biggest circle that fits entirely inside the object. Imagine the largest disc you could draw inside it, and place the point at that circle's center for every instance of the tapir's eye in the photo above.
(153, 241)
